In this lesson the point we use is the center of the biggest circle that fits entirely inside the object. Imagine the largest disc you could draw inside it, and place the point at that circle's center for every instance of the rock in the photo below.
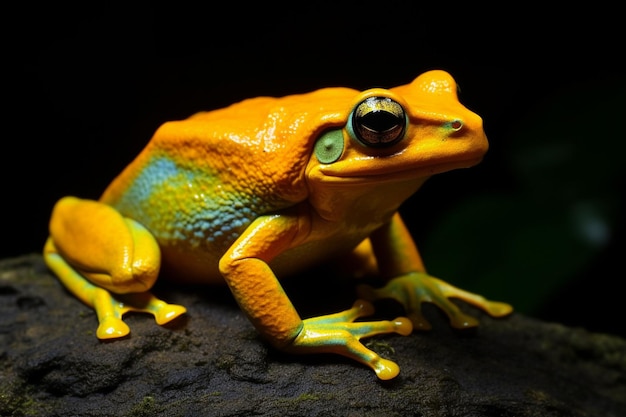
(212, 362)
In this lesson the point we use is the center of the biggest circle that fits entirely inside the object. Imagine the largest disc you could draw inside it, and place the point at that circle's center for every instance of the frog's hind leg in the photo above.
(108, 310)
(109, 262)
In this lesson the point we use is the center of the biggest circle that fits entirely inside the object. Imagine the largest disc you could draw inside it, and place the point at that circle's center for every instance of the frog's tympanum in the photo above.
(268, 187)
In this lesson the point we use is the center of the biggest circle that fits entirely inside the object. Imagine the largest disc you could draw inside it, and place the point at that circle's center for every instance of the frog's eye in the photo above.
(378, 122)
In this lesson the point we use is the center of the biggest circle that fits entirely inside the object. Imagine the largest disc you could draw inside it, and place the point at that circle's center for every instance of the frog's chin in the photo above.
(362, 173)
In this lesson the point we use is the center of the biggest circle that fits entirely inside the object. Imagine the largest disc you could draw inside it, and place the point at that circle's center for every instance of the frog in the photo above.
(269, 187)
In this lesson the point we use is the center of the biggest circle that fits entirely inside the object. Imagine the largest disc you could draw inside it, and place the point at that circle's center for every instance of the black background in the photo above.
(85, 88)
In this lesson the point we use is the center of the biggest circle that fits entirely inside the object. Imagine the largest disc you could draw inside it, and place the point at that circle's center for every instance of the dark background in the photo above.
(539, 223)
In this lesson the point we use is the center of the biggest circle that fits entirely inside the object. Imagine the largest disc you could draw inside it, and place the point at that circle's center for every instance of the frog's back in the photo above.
(201, 181)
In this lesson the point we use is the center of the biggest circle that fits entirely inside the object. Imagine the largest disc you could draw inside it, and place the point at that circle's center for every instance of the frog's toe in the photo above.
(498, 309)
(168, 312)
(419, 321)
(146, 302)
(403, 326)
(360, 308)
(462, 321)
(400, 325)
(385, 369)
(493, 308)
(112, 328)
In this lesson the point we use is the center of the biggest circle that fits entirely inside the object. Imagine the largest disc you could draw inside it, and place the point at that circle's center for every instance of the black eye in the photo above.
(378, 122)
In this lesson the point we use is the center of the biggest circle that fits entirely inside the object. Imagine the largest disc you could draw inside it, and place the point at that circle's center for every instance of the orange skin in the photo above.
(268, 187)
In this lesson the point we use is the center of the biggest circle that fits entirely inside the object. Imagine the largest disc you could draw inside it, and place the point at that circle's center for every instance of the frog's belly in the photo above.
(201, 267)
(190, 266)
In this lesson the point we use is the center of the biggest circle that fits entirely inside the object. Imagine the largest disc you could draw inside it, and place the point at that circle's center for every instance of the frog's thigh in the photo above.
(111, 251)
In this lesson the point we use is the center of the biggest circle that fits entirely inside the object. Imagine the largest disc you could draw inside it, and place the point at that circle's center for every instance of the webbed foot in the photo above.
(111, 307)
(338, 333)
(413, 289)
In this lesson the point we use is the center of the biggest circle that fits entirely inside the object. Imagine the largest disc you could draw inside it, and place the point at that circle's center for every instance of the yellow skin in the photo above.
(268, 187)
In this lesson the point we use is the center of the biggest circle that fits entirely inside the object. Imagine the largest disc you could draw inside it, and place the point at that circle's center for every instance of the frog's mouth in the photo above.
(378, 170)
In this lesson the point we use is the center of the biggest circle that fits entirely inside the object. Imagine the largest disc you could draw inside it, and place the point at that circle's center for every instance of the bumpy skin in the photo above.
(265, 188)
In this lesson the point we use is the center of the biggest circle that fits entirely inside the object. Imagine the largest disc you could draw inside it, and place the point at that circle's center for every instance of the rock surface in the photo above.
(212, 362)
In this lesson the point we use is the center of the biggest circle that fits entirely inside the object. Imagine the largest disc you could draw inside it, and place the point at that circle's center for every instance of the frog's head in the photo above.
(411, 131)
(399, 135)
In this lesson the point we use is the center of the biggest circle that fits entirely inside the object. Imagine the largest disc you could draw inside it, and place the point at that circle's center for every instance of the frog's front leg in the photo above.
(408, 283)
(108, 261)
(245, 267)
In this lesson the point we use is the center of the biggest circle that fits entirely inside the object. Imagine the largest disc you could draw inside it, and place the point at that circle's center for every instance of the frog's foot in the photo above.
(338, 333)
(111, 307)
(413, 289)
